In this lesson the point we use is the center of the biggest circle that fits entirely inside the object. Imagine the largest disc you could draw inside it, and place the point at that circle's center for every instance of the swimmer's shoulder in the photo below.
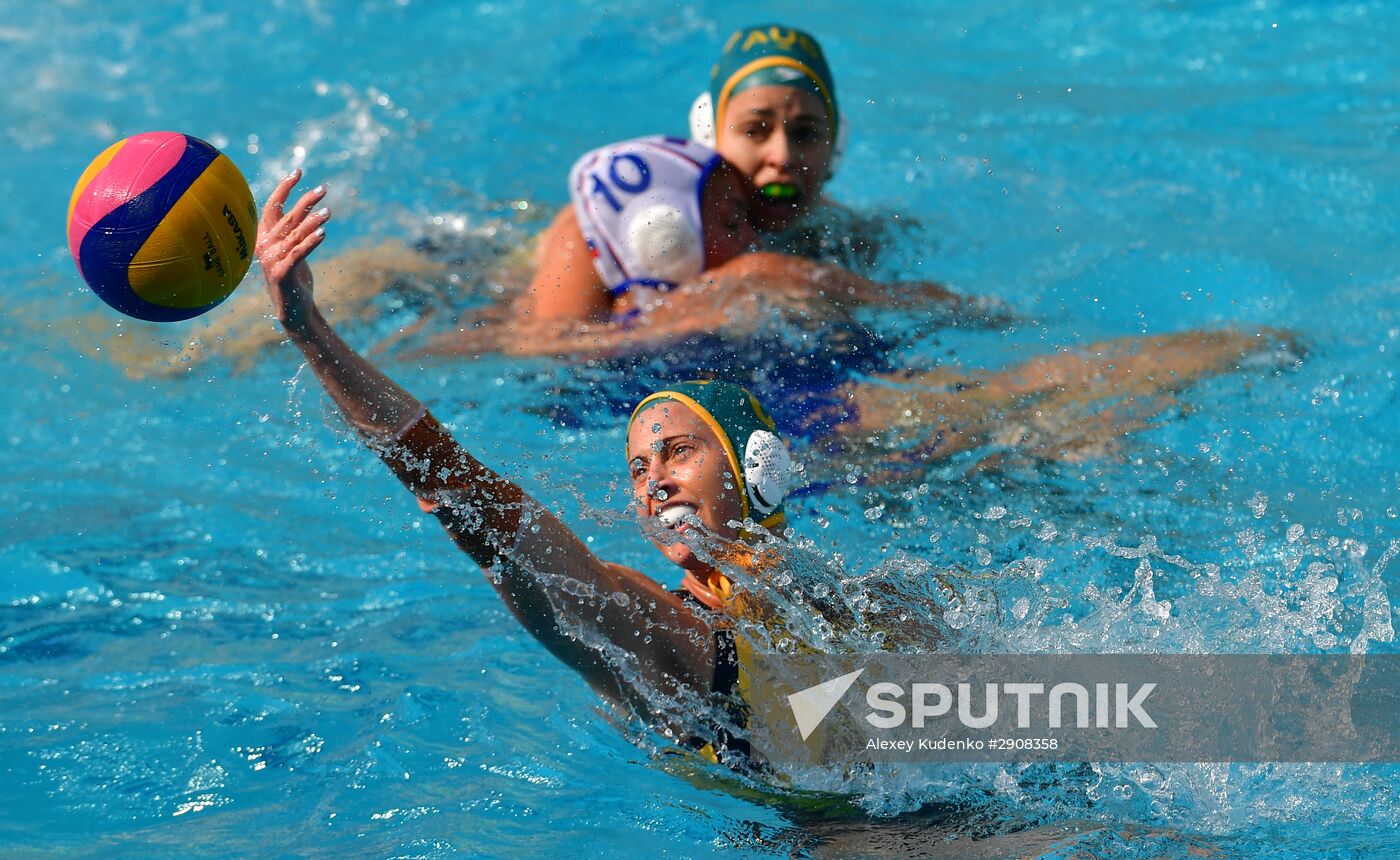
(562, 228)
(566, 286)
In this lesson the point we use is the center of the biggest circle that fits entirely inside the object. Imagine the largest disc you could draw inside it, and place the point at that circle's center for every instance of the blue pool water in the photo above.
(223, 630)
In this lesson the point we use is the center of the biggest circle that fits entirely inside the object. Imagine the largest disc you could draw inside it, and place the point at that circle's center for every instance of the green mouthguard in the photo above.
(778, 191)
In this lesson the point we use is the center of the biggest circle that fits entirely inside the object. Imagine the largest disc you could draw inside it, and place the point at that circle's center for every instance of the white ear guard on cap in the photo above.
(702, 128)
(767, 471)
(665, 244)
(702, 120)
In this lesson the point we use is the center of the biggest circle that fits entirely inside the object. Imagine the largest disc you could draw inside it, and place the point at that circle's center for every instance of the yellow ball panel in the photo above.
(203, 247)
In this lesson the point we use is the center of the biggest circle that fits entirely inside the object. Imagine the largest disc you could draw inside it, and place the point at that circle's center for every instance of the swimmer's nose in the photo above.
(778, 153)
(660, 485)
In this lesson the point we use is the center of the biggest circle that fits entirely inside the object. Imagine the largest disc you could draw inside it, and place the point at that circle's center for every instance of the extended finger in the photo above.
(272, 211)
(307, 223)
(310, 199)
(295, 218)
(307, 244)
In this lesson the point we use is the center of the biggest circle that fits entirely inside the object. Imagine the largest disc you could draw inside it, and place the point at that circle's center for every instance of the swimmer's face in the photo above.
(675, 458)
(725, 215)
(780, 137)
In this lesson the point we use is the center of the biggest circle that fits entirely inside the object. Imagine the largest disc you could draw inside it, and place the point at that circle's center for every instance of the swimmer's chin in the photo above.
(770, 214)
(680, 552)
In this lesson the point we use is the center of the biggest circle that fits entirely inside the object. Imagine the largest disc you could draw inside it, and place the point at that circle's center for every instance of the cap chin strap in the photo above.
(767, 472)
(702, 128)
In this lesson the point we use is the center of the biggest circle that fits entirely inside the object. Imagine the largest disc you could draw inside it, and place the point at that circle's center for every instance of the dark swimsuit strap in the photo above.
(726, 686)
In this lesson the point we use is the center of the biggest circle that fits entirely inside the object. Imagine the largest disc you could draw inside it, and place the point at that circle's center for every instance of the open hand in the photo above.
(285, 240)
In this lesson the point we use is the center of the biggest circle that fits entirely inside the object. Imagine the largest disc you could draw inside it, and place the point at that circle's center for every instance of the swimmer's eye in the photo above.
(637, 467)
(755, 130)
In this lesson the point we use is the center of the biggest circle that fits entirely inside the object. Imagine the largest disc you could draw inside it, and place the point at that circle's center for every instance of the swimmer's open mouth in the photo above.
(784, 192)
(674, 516)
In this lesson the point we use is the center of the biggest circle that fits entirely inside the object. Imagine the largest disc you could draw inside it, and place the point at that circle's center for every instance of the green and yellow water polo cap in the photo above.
(765, 55)
(757, 457)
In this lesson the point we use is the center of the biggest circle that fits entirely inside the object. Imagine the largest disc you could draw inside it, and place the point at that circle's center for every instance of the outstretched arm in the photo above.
(375, 406)
(807, 277)
(562, 593)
